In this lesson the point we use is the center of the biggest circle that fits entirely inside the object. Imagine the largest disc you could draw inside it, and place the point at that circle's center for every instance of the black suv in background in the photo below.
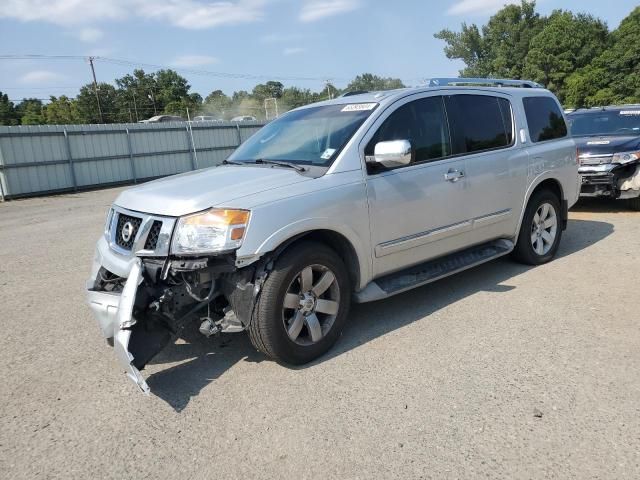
(608, 140)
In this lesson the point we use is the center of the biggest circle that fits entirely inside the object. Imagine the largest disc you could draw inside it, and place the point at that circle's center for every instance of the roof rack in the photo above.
(496, 82)
(354, 92)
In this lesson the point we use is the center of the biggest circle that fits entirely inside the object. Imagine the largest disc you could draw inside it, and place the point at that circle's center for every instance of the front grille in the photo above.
(599, 160)
(154, 233)
(122, 221)
(597, 179)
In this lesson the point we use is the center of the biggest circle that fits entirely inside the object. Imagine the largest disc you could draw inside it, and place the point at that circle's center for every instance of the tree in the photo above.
(61, 111)
(567, 43)
(271, 89)
(7, 111)
(139, 93)
(30, 111)
(370, 82)
(501, 48)
(87, 104)
(613, 77)
(217, 103)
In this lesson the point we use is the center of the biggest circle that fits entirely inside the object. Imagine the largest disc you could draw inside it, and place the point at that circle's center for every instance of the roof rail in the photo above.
(496, 82)
(354, 92)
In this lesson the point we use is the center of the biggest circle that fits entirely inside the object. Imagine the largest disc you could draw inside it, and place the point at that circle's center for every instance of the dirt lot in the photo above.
(502, 372)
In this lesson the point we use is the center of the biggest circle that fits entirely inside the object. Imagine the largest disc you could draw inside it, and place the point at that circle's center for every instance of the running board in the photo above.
(433, 270)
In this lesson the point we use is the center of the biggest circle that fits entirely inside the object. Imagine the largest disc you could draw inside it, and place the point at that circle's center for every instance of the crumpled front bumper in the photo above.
(113, 313)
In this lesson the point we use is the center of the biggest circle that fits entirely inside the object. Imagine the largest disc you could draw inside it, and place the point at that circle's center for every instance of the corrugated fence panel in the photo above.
(50, 158)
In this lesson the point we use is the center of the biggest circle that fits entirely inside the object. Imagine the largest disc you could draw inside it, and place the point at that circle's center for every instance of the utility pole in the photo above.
(95, 87)
(135, 106)
(327, 83)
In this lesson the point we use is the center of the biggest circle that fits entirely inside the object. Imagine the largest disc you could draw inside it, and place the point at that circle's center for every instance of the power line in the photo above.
(193, 71)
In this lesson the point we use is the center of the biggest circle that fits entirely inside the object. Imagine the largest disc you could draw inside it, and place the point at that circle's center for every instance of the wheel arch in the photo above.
(337, 241)
(544, 182)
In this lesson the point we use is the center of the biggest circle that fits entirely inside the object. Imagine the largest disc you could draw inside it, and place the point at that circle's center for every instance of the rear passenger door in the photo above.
(482, 129)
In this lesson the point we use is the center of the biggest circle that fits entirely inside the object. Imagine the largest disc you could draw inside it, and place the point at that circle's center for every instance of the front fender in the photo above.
(308, 225)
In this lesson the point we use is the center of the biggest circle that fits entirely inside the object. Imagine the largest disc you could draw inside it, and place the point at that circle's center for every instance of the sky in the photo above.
(235, 44)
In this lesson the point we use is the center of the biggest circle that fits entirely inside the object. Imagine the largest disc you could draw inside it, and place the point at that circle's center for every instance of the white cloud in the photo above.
(191, 14)
(89, 34)
(314, 10)
(293, 51)
(41, 76)
(471, 7)
(194, 61)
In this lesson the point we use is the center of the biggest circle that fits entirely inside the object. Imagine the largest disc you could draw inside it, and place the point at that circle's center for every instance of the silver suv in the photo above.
(354, 199)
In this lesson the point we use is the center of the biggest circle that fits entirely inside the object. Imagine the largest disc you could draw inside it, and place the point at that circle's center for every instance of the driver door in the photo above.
(418, 211)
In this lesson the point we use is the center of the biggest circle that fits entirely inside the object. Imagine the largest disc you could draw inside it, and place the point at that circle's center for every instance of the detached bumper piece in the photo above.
(114, 313)
(142, 314)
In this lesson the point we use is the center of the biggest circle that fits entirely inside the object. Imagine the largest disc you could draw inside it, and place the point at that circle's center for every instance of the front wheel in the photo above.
(540, 231)
(303, 305)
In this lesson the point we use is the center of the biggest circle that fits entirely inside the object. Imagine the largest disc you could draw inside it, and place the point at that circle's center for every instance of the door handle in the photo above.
(453, 175)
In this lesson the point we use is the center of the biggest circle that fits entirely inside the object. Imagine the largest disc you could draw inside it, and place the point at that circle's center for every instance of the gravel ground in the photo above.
(502, 371)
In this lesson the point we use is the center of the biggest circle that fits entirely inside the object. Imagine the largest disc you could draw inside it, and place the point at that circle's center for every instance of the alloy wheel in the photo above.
(544, 229)
(311, 304)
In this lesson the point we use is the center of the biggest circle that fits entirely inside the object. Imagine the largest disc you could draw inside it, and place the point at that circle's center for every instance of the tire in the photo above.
(533, 252)
(634, 204)
(299, 333)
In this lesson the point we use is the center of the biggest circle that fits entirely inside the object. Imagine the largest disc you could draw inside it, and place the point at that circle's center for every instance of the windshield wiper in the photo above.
(280, 163)
(232, 162)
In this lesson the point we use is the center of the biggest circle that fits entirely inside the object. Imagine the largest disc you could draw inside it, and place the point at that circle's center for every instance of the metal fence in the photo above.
(58, 158)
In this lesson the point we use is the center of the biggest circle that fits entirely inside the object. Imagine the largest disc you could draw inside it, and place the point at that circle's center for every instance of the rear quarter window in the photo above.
(544, 118)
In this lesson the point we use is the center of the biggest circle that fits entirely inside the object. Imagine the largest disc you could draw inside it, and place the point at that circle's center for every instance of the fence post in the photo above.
(70, 158)
(194, 159)
(133, 166)
(239, 134)
(3, 177)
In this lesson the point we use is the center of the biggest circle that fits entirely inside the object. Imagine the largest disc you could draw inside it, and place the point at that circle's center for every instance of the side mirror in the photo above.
(394, 153)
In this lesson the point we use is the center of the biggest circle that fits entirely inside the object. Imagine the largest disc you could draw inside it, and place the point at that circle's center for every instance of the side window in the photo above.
(423, 123)
(544, 118)
(479, 122)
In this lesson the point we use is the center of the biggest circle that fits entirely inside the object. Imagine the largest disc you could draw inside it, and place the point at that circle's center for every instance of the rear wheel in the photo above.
(540, 231)
(303, 305)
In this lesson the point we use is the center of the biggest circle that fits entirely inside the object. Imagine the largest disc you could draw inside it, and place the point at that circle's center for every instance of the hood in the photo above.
(195, 191)
(605, 144)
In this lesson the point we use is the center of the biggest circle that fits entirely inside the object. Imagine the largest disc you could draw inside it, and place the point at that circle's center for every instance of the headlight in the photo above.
(215, 230)
(625, 157)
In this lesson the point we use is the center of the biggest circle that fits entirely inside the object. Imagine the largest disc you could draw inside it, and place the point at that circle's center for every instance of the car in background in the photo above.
(207, 118)
(244, 118)
(608, 141)
(163, 119)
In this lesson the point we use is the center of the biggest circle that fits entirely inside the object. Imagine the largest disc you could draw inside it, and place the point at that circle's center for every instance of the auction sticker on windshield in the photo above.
(359, 107)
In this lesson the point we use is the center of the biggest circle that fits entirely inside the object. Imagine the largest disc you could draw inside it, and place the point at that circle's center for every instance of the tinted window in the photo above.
(544, 118)
(423, 123)
(479, 122)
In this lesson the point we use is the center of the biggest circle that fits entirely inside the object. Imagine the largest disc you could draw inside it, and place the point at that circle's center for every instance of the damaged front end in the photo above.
(614, 176)
(145, 306)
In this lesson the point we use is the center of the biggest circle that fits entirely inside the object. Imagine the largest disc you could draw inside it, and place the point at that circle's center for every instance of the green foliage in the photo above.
(574, 55)
(30, 111)
(87, 104)
(614, 76)
(7, 111)
(566, 43)
(370, 82)
(500, 49)
(61, 111)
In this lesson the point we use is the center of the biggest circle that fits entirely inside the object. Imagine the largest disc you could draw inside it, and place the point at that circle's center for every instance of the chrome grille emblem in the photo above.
(127, 231)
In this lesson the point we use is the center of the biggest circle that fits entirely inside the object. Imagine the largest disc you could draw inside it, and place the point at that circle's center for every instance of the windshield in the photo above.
(623, 122)
(311, 136)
